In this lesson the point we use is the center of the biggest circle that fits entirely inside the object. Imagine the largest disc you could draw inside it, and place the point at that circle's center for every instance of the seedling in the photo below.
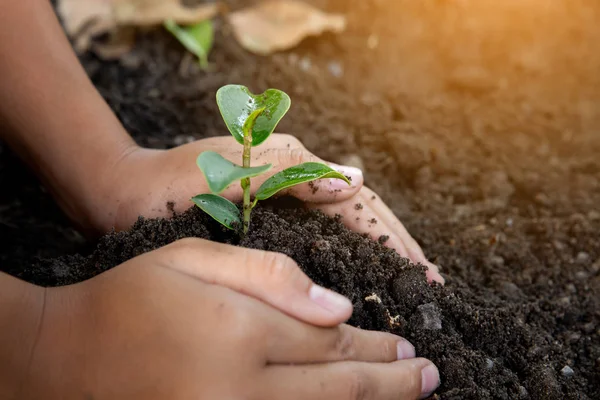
(198, 39)
(251, 119)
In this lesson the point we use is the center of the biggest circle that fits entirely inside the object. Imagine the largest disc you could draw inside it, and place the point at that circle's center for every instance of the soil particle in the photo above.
(358, 206)
(430, 316)
(567, 371)
(383, 238)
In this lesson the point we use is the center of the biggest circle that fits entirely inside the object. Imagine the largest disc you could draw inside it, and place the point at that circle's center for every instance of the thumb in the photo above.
(320, 191)
(273, 278)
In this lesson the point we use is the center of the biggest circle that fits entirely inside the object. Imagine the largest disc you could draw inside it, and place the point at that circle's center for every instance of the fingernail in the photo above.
(331, 301)
(354, 175)
(430, 380)
(405, 350)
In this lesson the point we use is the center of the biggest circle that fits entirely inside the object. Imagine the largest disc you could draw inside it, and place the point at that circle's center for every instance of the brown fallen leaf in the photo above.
(280, 25)
(155, 12)
(85, 19)
(119, 43)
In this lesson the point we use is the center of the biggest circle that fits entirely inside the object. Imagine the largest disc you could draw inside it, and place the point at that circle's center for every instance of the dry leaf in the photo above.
(281, 25)
(155, 12)
(85, 19)
(118, 44)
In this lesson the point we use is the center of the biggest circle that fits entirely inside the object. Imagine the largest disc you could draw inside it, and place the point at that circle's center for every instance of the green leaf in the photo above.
(220, 172)
(237, 103)
(221, 209)
(198, 38)
(296, 175)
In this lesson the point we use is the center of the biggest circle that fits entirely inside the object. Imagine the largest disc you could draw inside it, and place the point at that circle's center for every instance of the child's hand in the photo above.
(147, 179)
(188, 321)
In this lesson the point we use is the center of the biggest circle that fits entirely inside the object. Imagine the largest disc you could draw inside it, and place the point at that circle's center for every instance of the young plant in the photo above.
(198, 38)
(251, 119)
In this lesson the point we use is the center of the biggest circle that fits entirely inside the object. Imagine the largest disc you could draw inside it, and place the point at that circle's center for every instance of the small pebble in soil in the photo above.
(430, 314)
(589, 327)
(593, 215)
(322, 245)
(373, 297)
(497, 260)
(567, 371)
(511, 290)
(523, 393)
(335, 69)
(581, 275)
(358, 206)
(596, 266)
(305, 64)
(183, 139)
(489, 364)
(572, 337)
(582, 257)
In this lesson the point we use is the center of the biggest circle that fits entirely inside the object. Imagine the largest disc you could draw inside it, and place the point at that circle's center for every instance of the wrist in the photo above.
(21, 312)
(92, 198)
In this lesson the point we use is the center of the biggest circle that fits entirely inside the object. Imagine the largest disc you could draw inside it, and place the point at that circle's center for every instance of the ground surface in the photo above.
(477, 122)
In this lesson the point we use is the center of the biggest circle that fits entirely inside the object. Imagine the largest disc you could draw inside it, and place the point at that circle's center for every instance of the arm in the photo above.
(21, 308)
(51, 114)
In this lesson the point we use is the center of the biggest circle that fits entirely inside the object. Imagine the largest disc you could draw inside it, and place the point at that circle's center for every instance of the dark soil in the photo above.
(477, 121)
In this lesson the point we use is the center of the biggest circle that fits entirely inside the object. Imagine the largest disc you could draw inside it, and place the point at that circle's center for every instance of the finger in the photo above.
(299, 343)
(406, 380)
(328, 190)
(270, 277)
(367, 213)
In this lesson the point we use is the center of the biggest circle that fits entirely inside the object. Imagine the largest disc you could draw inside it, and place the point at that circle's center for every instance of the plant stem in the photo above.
(247, 130)
(246, 181)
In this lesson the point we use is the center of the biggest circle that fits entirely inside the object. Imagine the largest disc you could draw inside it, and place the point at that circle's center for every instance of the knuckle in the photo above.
(389, 348)
(279, 267)
(294, 156)
(345, 346)
(389, 351)
(359, 386)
